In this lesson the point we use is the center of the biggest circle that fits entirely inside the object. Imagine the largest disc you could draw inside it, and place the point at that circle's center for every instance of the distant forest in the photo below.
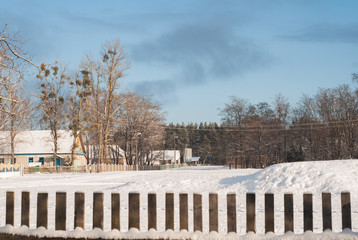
(321, 127)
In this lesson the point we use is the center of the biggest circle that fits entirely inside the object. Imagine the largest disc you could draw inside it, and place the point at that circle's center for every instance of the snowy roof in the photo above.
(195, 159)
(37, 141)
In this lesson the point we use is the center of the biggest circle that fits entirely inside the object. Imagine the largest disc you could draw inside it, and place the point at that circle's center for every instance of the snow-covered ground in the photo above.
(296, 178)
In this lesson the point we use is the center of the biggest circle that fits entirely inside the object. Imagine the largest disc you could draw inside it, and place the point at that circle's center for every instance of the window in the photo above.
(30, 159)
(2, 160)
(42, 160)
(12, 162)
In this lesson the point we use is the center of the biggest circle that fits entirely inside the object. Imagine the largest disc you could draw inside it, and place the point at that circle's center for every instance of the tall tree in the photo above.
(18, 110)
(13, 106)
(105, 74)
(77, 107)
(53, 80)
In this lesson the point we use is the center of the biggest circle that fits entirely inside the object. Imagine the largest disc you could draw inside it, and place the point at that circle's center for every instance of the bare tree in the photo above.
(18, 110)
(140, 128)
(53, 80)
(13, 106)
(77, 107)
(11, 51)
(282, 114)
(105, 74)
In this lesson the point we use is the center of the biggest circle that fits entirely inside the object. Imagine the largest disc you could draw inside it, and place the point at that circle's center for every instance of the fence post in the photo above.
(307, 212)
(115, 211)
(10, 207)
(183, 205)
(326, 211)
(60, 215)
(25, 209)
(346, 210)
(169, 211)
(98, 210)
(152, 211)
(213, 212)
(288, 205)
(231, 212)
(133, 211)
(269, 213)
(198, 213)
(79, 210)
(42, 209)
(250, 213)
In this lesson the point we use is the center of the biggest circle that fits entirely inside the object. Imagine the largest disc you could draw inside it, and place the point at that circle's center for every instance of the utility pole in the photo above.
(175, 152)
(136, 149)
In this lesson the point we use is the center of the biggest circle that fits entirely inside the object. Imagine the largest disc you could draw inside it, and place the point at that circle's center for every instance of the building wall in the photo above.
(48, 159)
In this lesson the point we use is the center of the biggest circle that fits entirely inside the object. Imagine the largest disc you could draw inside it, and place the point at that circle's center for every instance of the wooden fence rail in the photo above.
(134, 211)
(91, 168)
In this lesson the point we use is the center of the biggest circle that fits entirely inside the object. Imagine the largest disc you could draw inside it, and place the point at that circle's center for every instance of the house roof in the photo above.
(36, 142)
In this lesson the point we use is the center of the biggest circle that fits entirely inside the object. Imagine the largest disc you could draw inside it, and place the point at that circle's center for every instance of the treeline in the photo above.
(321, 127)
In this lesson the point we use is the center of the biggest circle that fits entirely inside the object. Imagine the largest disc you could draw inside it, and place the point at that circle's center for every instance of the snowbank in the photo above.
(152, 234)
(297, 178)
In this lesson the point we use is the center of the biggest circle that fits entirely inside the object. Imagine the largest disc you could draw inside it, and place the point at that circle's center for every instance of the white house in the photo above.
(36, 147)
(161, 157)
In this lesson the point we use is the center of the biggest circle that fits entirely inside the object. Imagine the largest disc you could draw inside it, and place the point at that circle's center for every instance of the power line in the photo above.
(271, 127)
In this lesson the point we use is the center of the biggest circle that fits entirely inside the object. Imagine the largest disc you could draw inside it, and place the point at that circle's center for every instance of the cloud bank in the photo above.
(199, 53)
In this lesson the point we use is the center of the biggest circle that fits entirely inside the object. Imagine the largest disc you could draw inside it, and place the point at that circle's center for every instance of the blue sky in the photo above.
(192, 55)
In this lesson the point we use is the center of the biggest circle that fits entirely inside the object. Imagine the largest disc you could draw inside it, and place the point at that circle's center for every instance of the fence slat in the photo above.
(79, 210)
(10, 208)
(115, 211)
(250, 213)
(213, 213)
(346, 210)
(198, 213)
(42, 210)
(60, 212)
(98, 210)
(183, 211)
(326, 211)
(269, 213)
(169, 211)
(152, 211)
(133, 208)
(231, 212)
(307, 212)
(25, 209)
(288, 205)
(134, 211)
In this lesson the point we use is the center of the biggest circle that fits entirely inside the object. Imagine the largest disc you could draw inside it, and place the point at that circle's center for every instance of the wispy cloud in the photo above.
(202, 53)
(163, 91)
(326, 32)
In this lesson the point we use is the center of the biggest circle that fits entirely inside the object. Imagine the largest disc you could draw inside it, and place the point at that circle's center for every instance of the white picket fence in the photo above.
(11, 170)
